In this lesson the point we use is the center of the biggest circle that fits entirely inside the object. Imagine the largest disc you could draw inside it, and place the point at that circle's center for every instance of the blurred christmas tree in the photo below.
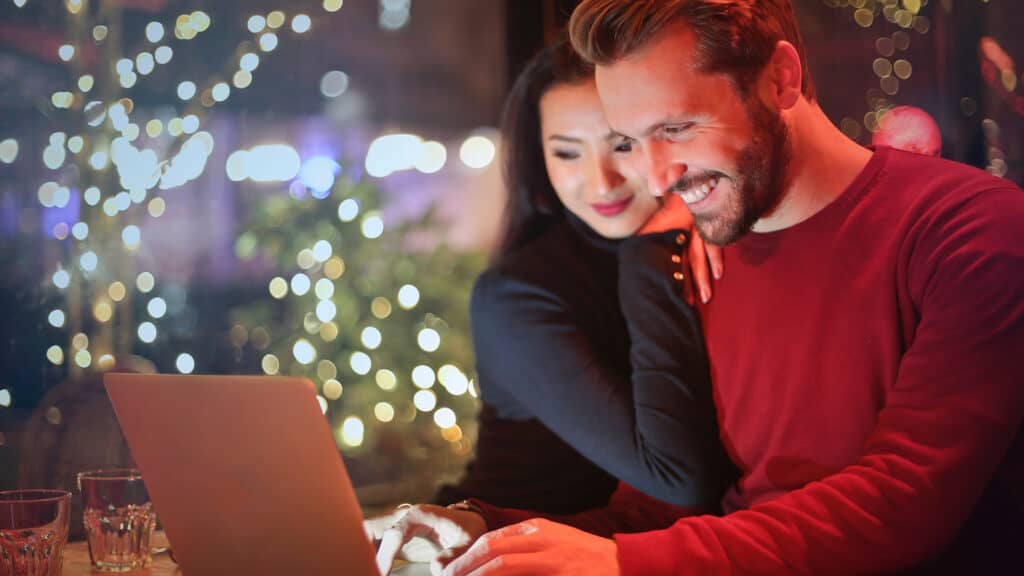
(377, 317)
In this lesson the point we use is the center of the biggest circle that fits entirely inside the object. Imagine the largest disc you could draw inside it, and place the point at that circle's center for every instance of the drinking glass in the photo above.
(33, 530)
(119, 519)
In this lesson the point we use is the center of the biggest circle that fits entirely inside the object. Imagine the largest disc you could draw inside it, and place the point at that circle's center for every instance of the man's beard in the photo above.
(759, 182)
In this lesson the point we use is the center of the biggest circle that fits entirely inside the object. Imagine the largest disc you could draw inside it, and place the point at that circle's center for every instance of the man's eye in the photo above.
(624, 146)
(565, 154)
(677, 129)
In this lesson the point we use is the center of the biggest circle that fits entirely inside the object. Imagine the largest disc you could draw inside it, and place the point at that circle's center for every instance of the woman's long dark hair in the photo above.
(532, 203)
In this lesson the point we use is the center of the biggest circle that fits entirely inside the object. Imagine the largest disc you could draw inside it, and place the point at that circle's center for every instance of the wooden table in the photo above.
(76, 560)
(77, 563)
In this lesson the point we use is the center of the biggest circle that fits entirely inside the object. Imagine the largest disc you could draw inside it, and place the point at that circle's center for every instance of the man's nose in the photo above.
(662, 170)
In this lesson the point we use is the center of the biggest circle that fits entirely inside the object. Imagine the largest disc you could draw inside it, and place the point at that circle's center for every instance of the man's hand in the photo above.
(534, 547)
(442, 528)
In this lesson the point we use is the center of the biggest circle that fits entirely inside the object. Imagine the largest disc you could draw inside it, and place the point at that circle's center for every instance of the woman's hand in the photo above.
(443, 528)
(701, 261)
(673, 215)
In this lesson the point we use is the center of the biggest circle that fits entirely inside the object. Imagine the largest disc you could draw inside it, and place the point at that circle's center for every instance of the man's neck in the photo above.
(823, 164)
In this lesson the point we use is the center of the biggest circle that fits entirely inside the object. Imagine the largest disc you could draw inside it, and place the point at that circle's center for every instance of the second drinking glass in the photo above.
(119, 519)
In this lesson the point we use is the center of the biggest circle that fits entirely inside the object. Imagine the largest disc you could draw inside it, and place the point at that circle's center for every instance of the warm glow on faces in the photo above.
(695, 135)
(586, 163)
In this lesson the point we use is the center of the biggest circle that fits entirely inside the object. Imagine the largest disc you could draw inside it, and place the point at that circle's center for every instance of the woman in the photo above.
(591, 366)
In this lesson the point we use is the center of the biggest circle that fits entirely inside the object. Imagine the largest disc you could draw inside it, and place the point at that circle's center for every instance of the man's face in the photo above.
(724, 154)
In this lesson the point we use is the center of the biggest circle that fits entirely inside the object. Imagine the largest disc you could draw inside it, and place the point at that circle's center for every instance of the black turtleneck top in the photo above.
(591, 368)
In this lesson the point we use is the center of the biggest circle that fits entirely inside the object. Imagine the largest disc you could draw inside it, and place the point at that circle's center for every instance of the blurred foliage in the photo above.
(360, 280)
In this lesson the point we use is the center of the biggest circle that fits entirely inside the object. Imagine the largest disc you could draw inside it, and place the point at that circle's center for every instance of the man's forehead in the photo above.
(638, 93)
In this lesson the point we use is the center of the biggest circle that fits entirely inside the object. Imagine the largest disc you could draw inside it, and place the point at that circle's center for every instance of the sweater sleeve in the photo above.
(658, 432)
(627, 511)
(941, 435)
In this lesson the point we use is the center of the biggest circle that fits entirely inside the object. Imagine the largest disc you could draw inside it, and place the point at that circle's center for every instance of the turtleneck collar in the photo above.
(590, 236)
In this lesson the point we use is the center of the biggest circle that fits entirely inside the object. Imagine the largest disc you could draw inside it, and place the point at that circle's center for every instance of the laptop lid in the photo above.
(244, 474)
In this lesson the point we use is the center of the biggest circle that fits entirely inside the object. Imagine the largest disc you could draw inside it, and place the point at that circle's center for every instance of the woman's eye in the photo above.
(566, 154)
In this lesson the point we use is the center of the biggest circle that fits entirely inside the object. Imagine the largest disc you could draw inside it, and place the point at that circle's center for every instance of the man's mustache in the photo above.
(693, 180)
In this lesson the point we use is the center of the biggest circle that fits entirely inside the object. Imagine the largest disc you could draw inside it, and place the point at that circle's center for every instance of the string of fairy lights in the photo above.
(892, 64)
(109, 138)
(115, 148)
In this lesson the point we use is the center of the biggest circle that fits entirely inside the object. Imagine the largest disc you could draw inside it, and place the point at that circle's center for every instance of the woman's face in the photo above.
(587, 165)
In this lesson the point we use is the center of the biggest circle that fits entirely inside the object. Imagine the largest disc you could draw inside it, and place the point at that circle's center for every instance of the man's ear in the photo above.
(785, 74)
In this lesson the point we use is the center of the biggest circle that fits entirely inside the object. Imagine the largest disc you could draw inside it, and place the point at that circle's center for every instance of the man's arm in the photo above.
(628, 510)
(956, 407)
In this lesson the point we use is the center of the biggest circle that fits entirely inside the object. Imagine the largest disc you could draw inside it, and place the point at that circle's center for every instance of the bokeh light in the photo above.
(386, 379)
(384, 411)
(428, 340)
(431, 158)
(453, 380)
(256, 23)
(268, 41)
(477, 151)
(117, 291)
(147, 332)
(89, 261)
(370, 337)
(326, 311)
(333, 83)
(352, 430)
(301, 23)
(348, 209)
(8, 151)
(157, 307)
(332, 389)
(186, 90)
(408, 296)
(55, 354)
(300, 284)
(303, 351)
(318, 174)
(324, 288)
(380, 307)
(270, 364)
(373, 226)
(424, 400)
(360, 363)
(444, 418)
(56, 318)
(185, 363)
(423, 376)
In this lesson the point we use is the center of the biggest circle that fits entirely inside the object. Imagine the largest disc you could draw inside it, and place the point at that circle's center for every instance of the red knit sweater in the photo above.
(866, 366)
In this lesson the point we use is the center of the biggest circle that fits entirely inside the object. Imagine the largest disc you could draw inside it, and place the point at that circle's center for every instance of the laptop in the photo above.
(244, 474)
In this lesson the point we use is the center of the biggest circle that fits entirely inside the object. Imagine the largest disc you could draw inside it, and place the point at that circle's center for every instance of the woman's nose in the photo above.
(606, 178)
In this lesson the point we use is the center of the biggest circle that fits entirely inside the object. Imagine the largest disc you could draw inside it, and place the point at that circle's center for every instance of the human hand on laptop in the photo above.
(445, 529)
(536, 546)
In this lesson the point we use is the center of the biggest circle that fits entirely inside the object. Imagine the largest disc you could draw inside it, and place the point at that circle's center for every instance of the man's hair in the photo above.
(734, 37)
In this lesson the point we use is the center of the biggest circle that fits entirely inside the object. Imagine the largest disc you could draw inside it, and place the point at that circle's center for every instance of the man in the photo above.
(864, 343)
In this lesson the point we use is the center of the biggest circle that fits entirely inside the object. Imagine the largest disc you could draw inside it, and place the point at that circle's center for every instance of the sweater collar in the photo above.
(590, 236)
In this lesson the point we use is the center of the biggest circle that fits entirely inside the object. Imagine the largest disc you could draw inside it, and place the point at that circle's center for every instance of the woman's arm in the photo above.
(655, 429)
